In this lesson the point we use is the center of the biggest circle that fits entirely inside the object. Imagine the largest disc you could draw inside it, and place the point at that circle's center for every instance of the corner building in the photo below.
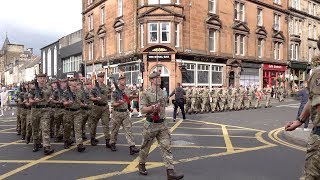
(199, 43)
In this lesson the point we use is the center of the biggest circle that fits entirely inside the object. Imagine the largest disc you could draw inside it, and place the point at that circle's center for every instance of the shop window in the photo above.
(203, 74)
(216, 74)
(189, 74)
(71, 63)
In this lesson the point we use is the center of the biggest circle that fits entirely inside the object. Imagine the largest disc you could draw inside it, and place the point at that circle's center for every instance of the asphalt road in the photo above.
(244, 145)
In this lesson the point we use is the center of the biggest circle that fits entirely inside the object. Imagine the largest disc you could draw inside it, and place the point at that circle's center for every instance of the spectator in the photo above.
(304, 99)
(179, 101)
(4, 100)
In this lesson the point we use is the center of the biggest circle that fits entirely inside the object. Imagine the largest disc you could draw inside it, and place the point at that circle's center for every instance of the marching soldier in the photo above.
(281, 92)
(73, 101)
(86, 111)
(153, 105)
(194, 95)
(213, 99)
(41, 115)
(205, 100)
(259, 96)
(250, 95)
(23, 111)
(268, 94)
(100, 110)
(28, 106)
(232, 98)
(188, 100)
(120, 115)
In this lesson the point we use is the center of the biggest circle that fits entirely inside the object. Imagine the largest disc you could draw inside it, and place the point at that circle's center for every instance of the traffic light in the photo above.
(142, 67)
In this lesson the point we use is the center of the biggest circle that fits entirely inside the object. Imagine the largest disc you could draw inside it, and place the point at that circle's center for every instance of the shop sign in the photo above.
(160, 57)
(274, 67)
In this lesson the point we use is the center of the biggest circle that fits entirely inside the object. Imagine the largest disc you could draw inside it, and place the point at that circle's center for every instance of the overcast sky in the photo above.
(37, 23)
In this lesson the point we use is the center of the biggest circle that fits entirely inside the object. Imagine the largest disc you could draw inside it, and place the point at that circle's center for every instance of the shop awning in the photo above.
(298, 65)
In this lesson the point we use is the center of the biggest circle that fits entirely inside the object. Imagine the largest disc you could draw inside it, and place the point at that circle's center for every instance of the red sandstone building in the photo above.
(219, 42)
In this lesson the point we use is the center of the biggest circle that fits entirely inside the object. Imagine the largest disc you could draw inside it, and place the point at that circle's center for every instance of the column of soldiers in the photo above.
(63, 109)
(202, 100)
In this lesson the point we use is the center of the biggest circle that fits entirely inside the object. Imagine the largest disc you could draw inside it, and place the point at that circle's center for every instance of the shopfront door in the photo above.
(231, 79)
(165, 83)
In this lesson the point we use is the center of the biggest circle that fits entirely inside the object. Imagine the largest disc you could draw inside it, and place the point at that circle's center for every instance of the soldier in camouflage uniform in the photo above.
(23, 115)
(41, 116)
(194, 95)
(268, 94)
(73, 101)
(205, 100)
(259, 96)
(120, 116)
(214, 99)
(312, 160)
(250, 95)
(232, 98)
(188, 100)
(18, 129)
(153, 105)
(281, 92)
(240, 98)
(28, 106)
(222, 99)
(99, 95)
(57, 105)
(198, 100)
(87, 110)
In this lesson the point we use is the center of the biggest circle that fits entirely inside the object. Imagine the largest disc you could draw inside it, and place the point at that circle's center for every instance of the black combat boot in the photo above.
(107, 143)
(58, 139)
(93, 142)
(66, 144)
(23, 137)
(28, 140)
(113, 147)
(40, 145)
(81, 148)
(51, 134)
(35, 148)
(84, 137)
(142, 169)
(48, 150)
(134, 150)
(172, 175)
(18, 132)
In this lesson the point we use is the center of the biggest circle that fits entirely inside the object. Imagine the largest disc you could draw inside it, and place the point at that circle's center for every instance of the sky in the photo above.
(37, 23)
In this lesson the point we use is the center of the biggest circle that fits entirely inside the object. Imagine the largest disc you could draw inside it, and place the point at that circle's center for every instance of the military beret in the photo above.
(73, 79)
(154, 74)
(100, 74)
(64, 80)
(41, 75)
(87, 83)
(54, 81)
(121, 77)
(32, 82)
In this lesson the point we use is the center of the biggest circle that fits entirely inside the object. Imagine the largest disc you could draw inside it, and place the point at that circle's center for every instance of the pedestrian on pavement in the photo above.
(4, 100)
(153, 105)
(179, 101)
(304, 99)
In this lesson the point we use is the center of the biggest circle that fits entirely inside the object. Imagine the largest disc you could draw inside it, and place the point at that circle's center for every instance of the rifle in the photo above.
(98, 91)
(70, 94)
(84, 95)
(59, 90)
(121, 95)
(37, 89)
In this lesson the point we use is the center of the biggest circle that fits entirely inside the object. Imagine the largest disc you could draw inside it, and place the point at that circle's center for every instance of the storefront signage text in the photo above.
(159, 50)
(274, 67)
(160, 57)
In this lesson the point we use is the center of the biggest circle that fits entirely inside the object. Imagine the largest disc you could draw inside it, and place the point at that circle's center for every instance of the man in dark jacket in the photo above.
(179, 101)
(304, 99)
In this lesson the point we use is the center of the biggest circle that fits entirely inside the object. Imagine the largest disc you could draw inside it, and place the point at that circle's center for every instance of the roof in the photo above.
(6, 42)
(35, 60)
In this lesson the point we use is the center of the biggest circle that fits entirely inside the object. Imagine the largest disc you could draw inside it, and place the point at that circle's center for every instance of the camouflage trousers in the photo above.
(268, 101)
(231, 103)
(18, 119)
(280, 96)
(312, 161)
(222, 105)
(205, 105)
(58, 120)
(41, 119)
(85, 118)
(161, 132)
(121, 119)
(73, 118)
(187, 105)
(248, 102)
(52, 120)
(28, 124)
(213, 105)
(98, 112)
(23, 118)
(239, 103)
(257, 105)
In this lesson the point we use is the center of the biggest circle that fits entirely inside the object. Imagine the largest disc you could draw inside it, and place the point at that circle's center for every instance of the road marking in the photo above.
(45, 158)
(274, 136)
(11, 143)
(297, 105)
(132, 167)
(4, 130)
(227, 139)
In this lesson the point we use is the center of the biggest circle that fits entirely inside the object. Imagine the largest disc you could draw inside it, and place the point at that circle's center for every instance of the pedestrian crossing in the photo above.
(296, 105)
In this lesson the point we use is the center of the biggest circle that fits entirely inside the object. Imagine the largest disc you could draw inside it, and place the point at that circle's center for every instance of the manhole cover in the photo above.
(181, 142)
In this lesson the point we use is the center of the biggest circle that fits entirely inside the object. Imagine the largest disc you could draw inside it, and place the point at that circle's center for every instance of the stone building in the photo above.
(198, 43)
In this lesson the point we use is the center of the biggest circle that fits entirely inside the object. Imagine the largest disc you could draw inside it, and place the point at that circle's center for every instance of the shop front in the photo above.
(250, 74)
(298, 73)
(272, 73)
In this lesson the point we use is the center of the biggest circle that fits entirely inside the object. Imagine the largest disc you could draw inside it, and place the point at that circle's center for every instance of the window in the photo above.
(291, 24)
(44, 62)
(203, 74)
(309, 7)
(189, 76)
(260, 17)
(277, 1)
(164, 32)
(90, 22)
(177, 1)
(310, 31)
(55, 56)
(239, 44)
(103, 46)
(277, 47)
(239, 11)
(141, 2)
(49, 62)
(119, 8)
(310, 53)
(90, 50)
(142, 35)
(159, 1)
(71, 63)
(314, 32)
(212, 37)
(294, 51)
(120, 48)
(260, 47)
(176, 35)
(102, 16)
(296, 4)
(212, 6)
(216, 74)
(297, 28)
(276, 22)
(90, 2)
(315, 9)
